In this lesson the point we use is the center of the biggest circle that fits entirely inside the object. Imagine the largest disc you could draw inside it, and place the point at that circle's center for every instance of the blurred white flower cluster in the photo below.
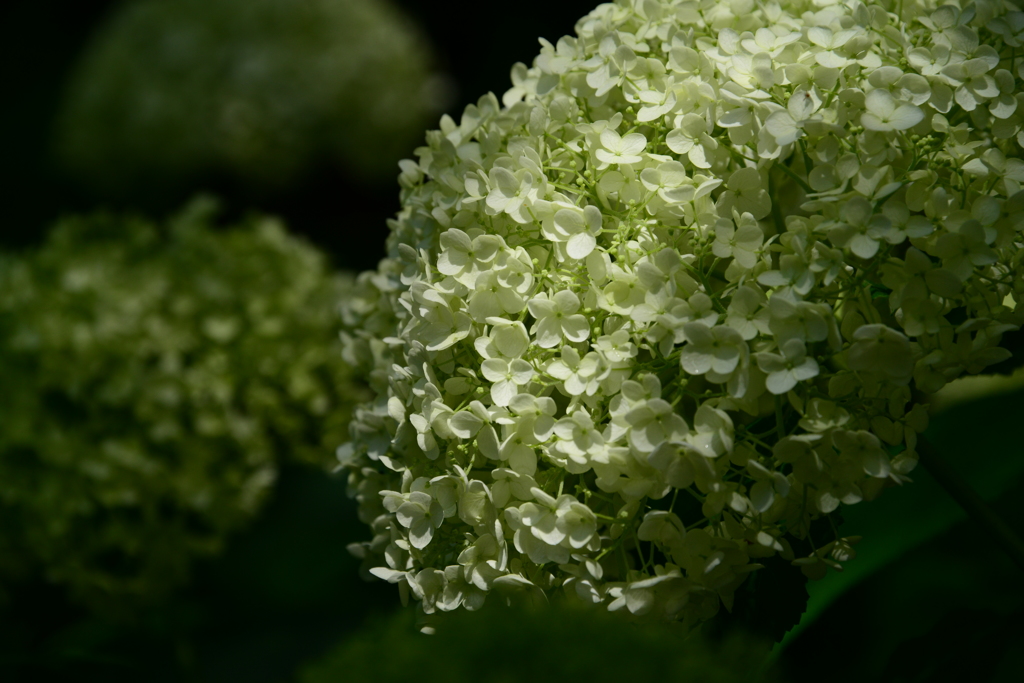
(154, 378)
(679, 295)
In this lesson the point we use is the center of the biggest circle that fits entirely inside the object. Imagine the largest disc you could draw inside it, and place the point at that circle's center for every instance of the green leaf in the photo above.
(872, 628)
(966, 644)
(977, 439)
(771, 602)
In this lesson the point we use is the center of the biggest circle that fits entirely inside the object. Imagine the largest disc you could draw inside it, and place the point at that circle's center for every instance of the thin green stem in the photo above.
(780, 428)
(799, 181)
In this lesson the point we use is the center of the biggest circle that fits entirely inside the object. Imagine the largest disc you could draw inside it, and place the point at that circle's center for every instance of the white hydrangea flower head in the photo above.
(717, 249)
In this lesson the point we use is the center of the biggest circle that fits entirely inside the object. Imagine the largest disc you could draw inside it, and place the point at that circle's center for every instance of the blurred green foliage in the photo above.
(153, 379)
(541, 644)
(169, 91)
(283, 591)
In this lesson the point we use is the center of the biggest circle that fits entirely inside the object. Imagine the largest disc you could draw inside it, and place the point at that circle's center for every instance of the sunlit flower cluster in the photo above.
(152, 381)
(661, 311)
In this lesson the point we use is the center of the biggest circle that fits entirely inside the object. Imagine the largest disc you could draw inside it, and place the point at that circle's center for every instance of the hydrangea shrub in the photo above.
(680, 295)
(260, 89)
(153, 379)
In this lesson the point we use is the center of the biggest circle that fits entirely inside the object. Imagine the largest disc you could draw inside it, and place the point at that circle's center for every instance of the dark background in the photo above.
(40, 40)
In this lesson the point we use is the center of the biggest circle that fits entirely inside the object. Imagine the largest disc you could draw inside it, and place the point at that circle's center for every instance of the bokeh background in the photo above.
(340, 207)
(301, 110)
